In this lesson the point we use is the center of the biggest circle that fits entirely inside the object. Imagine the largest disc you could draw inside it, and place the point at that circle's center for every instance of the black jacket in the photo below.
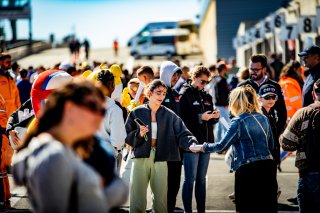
(272, 117)
(172, 134)
(193, 104)
(172, 100)
(314, 75)
(222, 91)
(280, 106)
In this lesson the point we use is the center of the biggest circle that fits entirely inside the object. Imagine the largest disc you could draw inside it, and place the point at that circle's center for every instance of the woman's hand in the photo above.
(209, 115)
(196, 148)
(206, 116)
(215, 114)
(143, 130)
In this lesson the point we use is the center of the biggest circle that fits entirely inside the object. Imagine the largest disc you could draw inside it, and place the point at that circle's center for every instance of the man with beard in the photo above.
(257, 69)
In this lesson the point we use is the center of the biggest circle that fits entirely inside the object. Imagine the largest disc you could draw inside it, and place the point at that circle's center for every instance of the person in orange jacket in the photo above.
(4, 180)
(291, 84)
(10, 102)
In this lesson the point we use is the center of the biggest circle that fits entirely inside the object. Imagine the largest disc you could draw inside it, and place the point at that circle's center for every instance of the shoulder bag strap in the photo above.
(265, 134)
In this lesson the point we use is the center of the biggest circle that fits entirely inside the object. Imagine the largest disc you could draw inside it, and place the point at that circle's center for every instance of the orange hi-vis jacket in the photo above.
(292, 95)
(10, 93)
(4, 180)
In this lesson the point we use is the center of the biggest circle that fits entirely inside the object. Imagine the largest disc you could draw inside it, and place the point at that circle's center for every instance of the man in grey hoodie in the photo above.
(170, 74)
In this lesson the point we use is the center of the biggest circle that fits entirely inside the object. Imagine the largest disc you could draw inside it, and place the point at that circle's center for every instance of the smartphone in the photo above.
(139, 122)
(196, 147)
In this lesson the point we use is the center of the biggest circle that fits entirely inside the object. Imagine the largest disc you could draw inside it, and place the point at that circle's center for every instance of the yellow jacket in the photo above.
(292, 94)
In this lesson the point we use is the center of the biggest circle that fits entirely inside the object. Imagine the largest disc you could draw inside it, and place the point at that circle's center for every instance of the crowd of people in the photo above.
(69, 128)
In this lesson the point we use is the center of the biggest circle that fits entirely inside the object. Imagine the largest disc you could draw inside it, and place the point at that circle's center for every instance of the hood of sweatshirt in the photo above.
(167, 69)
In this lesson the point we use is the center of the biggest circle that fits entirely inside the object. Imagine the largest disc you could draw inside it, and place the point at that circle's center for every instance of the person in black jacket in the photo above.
(155, 139)
(198, 115)
(311, 59)
(221, 101)
(169, 74)
(258, 78)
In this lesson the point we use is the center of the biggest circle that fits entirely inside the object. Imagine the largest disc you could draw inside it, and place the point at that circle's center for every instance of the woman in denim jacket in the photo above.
(251, 139)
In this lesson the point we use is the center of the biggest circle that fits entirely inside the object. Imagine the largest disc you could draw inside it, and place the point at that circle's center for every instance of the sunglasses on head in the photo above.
(134, 89)
(204, 82)
(270, 97)
(93, 106)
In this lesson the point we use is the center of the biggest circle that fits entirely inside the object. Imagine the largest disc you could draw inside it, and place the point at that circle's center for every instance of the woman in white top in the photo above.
(56, 179)
(155, 134)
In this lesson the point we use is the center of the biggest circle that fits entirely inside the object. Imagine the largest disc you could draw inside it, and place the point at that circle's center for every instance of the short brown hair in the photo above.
(4, 56)
(256, 58)
(198, 71)
(145, 70)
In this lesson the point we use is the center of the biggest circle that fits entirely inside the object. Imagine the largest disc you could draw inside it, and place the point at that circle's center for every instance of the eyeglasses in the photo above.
(93, 106)
(256, 69)
(270, 97)
(204, 82)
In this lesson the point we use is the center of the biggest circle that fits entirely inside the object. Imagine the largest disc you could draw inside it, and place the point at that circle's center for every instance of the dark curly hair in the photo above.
(106, 78)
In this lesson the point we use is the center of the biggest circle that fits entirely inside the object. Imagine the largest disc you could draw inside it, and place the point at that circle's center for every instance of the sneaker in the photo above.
(149, 210)
(231, 196)
(279, 168)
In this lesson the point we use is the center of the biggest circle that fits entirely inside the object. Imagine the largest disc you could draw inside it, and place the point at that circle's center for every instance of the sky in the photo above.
(102, 21)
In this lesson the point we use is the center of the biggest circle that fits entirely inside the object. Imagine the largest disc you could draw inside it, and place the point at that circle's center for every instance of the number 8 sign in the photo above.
(307, 24)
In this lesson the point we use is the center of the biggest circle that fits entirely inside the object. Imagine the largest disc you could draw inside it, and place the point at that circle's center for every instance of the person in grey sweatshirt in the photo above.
(55, 177)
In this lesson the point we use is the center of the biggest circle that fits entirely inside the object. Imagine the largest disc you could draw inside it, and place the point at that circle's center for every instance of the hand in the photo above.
(14, 137)
(215, 114)
(196, 148)
(143, 130)
(206, 116)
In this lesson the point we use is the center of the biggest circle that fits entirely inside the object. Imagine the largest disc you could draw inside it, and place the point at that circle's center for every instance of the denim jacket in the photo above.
(249, 142)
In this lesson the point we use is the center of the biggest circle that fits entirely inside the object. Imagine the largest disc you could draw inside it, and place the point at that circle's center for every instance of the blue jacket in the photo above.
(248, 140)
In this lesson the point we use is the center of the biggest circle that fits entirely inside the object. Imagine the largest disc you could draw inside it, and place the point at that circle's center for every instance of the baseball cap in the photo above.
(314, 49)
(267, 89)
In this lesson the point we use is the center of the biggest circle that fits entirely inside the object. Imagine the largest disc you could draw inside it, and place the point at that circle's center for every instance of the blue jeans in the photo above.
(309, 193)
(219, 128)
(195, 170)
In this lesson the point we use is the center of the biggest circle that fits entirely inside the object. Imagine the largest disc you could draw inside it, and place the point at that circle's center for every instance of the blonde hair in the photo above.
(243, 99)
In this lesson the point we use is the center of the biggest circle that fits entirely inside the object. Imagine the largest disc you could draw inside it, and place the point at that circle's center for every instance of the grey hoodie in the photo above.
(167, 70)
(49, 169)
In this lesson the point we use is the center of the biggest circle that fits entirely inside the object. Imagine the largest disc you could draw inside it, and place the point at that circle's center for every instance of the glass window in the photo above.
(163, 39)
